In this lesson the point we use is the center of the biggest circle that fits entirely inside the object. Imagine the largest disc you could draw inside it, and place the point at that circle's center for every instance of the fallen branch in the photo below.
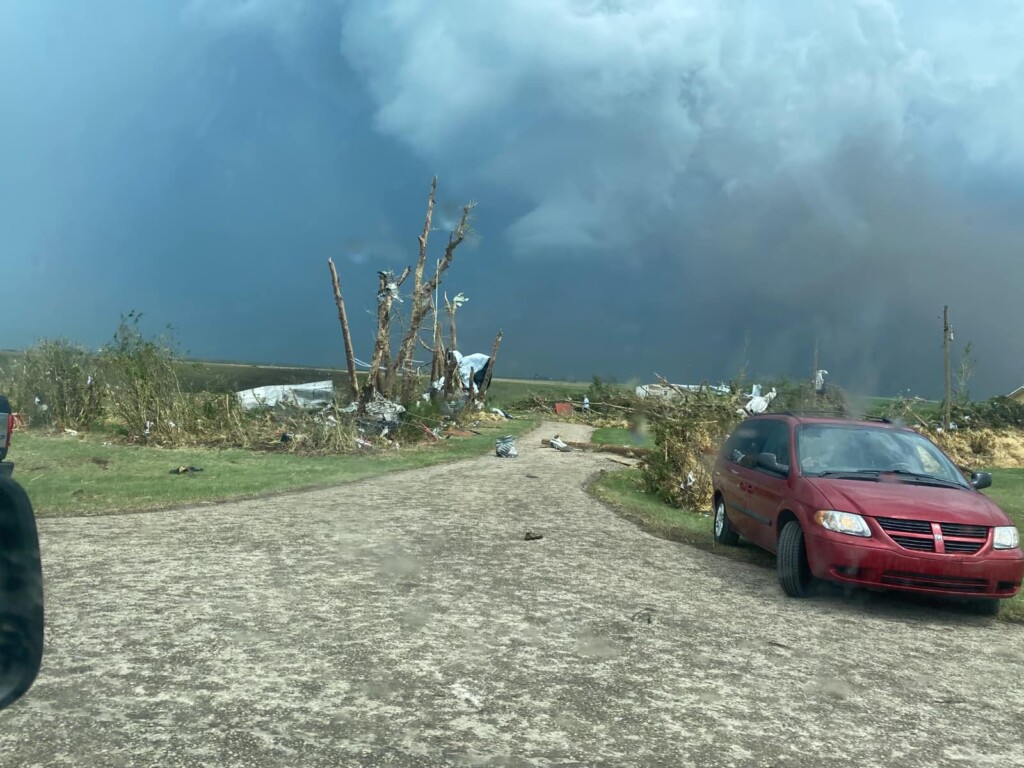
(621, 450)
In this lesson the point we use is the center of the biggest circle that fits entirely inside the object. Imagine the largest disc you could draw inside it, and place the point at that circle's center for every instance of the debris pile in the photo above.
(688, 430)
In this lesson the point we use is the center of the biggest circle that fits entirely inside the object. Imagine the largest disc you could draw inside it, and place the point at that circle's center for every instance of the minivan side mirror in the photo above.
(981, 479)
(770, 462)
(21, 594)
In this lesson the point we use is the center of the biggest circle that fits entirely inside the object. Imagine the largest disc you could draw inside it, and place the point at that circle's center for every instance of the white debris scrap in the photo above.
(317, 394)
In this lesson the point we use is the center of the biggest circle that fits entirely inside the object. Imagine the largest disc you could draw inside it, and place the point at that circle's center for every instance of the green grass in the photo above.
(233, 377)
(619, 436)
(68, 476)
(624, 491)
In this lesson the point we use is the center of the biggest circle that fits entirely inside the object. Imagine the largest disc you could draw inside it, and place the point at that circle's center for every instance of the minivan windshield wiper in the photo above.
(849, 474)
(923, 478)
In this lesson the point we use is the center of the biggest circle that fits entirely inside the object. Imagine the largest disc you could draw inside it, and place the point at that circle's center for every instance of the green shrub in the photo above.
(58, 383)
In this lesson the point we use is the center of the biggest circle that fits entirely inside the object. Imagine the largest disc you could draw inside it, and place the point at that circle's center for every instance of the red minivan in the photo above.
(866, 503)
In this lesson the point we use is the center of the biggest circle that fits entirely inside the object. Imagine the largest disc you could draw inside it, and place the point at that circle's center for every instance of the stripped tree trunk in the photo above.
(350, 358)
(418, 311)
(422, 292)
(451, 308)
(377, 378)
(437, 363)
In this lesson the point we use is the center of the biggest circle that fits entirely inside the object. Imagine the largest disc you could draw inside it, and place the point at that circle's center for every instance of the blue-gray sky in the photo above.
(656, 180)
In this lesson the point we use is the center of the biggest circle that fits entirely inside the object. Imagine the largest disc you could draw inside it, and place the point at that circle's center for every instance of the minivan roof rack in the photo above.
(836, 414)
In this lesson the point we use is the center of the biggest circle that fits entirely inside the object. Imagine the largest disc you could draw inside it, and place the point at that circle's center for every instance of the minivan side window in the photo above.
(778, 442)
(744, 444)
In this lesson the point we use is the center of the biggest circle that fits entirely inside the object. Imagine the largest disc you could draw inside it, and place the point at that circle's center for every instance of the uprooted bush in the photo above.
(58, 383)
(688, 430)
(802, 397)
(997, 413)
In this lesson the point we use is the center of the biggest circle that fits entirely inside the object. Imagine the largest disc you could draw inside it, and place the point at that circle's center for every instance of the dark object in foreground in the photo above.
(863, 503)
(533, 536)
(6, 428)
(186, 470)
(21, 594)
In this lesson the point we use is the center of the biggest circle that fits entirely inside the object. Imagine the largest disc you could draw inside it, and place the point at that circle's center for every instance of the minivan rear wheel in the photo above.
(724, 532)
(794, 571)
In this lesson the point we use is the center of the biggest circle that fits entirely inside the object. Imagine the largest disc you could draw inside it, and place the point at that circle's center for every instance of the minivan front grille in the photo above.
(964, 531)
(918, 544)
(919, 536)
(904, 526)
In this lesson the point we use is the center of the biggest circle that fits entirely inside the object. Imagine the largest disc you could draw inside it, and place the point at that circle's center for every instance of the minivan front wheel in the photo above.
(724, 532)
(794, 571)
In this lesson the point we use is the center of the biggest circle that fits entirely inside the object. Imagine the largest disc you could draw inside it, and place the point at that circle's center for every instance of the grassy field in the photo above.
(67, 476)
(624, 491)
(232, 377)
(619, 436)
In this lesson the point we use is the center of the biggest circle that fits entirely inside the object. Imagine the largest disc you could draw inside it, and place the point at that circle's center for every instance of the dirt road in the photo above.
(405, 621)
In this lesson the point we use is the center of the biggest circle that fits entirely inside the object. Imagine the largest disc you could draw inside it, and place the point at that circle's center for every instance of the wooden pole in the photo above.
(814, 373)
(947, 337)
(350, 357)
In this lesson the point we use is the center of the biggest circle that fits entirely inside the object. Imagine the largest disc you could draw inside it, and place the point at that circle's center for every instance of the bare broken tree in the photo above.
(451, 307)
(350, 358)
(396, 378)
(422, 293)
(377, 380)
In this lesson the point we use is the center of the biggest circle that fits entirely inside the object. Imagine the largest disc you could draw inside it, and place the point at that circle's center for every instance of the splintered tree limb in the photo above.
(451, 308)
(350, 358)
(490, 366)
(437, 362)
(421, 262)
(377, 378)
(422, 292)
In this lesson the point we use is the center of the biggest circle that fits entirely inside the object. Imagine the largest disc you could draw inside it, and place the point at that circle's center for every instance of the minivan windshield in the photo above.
(838, 448)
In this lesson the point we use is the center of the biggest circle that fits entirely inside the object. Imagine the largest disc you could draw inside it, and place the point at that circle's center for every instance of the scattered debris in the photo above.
(317, 394)
(671, 391)
(758, 403)
(186, 470)
(72, 432)
(363, 443)
(563, 409)
(533, 536)
(501, 413)
(505, 447)
(643, 616)
(559, 444)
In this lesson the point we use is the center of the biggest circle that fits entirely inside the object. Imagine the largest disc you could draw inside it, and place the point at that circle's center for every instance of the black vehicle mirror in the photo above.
(981, 479)
(770, 462)
(21, 594)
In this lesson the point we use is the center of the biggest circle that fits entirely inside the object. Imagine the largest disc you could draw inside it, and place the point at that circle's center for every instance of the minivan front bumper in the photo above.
(876, 564)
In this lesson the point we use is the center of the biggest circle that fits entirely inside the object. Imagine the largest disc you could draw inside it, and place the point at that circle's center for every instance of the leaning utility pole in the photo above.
(814, 372)
(947, 337)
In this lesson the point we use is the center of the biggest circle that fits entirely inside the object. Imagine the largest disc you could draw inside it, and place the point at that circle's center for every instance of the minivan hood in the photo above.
(888, 498)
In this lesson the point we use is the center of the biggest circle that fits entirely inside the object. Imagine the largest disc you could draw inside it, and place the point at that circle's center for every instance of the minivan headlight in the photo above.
(843, 522)
(1005, 537)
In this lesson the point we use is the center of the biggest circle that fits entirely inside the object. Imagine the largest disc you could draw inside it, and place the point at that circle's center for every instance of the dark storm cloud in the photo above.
(658, 179)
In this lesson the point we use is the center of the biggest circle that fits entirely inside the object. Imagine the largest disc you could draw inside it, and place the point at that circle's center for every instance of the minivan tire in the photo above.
(795, 575)
(724, 532)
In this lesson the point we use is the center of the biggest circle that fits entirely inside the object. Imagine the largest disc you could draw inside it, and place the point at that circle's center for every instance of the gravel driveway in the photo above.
(405, 621)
